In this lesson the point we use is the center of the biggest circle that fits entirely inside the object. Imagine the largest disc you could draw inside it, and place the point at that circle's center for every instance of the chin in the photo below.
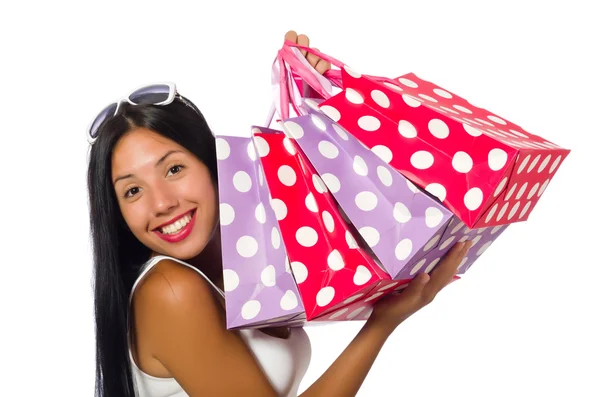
(186, 254)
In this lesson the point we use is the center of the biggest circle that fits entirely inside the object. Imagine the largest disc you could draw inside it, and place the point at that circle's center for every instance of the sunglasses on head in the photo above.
(152, 94)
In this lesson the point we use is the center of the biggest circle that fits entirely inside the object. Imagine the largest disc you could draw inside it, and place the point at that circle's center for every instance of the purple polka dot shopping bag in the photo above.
(407, 229)
(259, 286)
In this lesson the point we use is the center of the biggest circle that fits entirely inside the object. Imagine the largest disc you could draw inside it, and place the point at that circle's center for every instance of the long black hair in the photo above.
(117, 253)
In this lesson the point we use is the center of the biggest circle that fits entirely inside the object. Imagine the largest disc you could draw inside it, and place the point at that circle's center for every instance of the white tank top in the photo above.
(284, 361)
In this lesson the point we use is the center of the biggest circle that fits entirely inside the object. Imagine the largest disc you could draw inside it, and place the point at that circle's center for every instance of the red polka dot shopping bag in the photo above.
(289, 255)
(402, 228)
(487, 170)
(331, 264)
(405, 227)
(334, 213)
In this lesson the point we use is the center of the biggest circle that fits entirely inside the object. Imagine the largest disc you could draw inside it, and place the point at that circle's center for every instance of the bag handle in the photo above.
(290, 60)
(301, 67)
(298, 64)
(287, 44)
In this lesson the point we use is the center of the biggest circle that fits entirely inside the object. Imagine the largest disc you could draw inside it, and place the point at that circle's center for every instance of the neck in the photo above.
(209, 261)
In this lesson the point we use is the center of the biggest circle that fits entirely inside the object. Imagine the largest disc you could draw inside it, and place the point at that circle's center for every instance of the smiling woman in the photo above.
(159, 288)
(159, 300)
(166, 193)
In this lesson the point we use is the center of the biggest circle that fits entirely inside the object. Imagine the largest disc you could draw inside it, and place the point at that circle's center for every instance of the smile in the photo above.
(178, 229)
(177, 225)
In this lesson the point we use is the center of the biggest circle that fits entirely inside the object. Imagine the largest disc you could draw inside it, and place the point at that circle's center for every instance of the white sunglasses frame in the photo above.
(170, 98)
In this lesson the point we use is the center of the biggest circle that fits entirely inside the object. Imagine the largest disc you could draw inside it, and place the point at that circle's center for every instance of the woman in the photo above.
(159, 304)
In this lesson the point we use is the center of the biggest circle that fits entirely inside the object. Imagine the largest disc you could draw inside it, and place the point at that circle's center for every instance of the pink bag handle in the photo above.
(296, 63)
(299, 65)
(302, 68)
(287, 44)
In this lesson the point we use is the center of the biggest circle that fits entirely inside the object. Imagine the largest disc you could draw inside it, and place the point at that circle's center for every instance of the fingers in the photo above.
(313, 59)
(322, 66)
(445, 271)
(291, 36)
(319, 64)
(316, 62)
(416, 285)
(303, 41)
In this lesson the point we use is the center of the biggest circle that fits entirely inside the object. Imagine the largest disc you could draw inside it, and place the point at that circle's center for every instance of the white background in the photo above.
(524, 320)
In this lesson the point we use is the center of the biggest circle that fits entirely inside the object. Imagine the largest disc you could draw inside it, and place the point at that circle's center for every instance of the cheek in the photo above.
(136, 218)
(201, 190)
(206, 192)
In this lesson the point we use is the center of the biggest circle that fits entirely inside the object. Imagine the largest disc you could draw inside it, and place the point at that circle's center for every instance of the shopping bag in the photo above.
(394, 217)
(337, 273)
(419, 230)
(486, 169)
(406, 228)
(259, 287)
(330, 262)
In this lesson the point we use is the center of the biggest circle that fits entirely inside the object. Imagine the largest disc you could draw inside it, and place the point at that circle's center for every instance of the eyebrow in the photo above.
(159, 162)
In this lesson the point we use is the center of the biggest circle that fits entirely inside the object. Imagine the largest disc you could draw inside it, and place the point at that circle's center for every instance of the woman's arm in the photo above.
(186, 328)
(349, 370)
(183, 322)
(346, 375)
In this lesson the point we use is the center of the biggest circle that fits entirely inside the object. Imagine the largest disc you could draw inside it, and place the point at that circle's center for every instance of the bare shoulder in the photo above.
(185, 330)
(171, 289)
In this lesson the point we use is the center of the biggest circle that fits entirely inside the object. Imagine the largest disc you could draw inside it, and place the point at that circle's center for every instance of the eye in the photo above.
(132, 191)
(175, 169)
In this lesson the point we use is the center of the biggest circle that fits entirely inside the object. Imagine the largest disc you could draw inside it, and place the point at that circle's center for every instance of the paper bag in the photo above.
(330, 266)
(259, 286)
(486, 169)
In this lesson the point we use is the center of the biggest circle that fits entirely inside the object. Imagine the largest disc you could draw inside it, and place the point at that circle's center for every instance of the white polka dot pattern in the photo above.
(328, 265)
(433, 252)
(442, 141)
(347, 300)
(392, 219)
(257, 287)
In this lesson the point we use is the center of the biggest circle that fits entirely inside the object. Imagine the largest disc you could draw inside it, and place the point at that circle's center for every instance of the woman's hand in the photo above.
(345, 376)
(394, 309)
(319, 64)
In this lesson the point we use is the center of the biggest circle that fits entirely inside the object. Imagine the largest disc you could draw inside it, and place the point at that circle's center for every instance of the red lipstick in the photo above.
(180, 235)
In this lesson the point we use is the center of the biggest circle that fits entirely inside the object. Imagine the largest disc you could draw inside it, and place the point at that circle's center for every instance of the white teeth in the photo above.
(177, 225)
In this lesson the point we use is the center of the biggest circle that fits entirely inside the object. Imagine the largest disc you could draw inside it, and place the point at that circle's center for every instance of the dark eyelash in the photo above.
(181, 166)
(128, 190)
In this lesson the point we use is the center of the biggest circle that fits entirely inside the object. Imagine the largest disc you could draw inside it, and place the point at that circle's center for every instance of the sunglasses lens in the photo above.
(108, 111)
(152, 94)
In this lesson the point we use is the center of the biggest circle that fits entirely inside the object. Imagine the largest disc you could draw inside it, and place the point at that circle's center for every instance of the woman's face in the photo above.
(165, 193)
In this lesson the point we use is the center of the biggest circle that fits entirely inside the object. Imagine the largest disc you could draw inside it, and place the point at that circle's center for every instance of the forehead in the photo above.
(140, 147)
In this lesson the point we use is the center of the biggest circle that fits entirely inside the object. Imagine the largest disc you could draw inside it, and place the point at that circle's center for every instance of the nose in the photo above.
(164, 200)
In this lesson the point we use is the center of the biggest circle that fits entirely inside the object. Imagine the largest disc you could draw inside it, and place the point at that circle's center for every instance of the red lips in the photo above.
(180, 235)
